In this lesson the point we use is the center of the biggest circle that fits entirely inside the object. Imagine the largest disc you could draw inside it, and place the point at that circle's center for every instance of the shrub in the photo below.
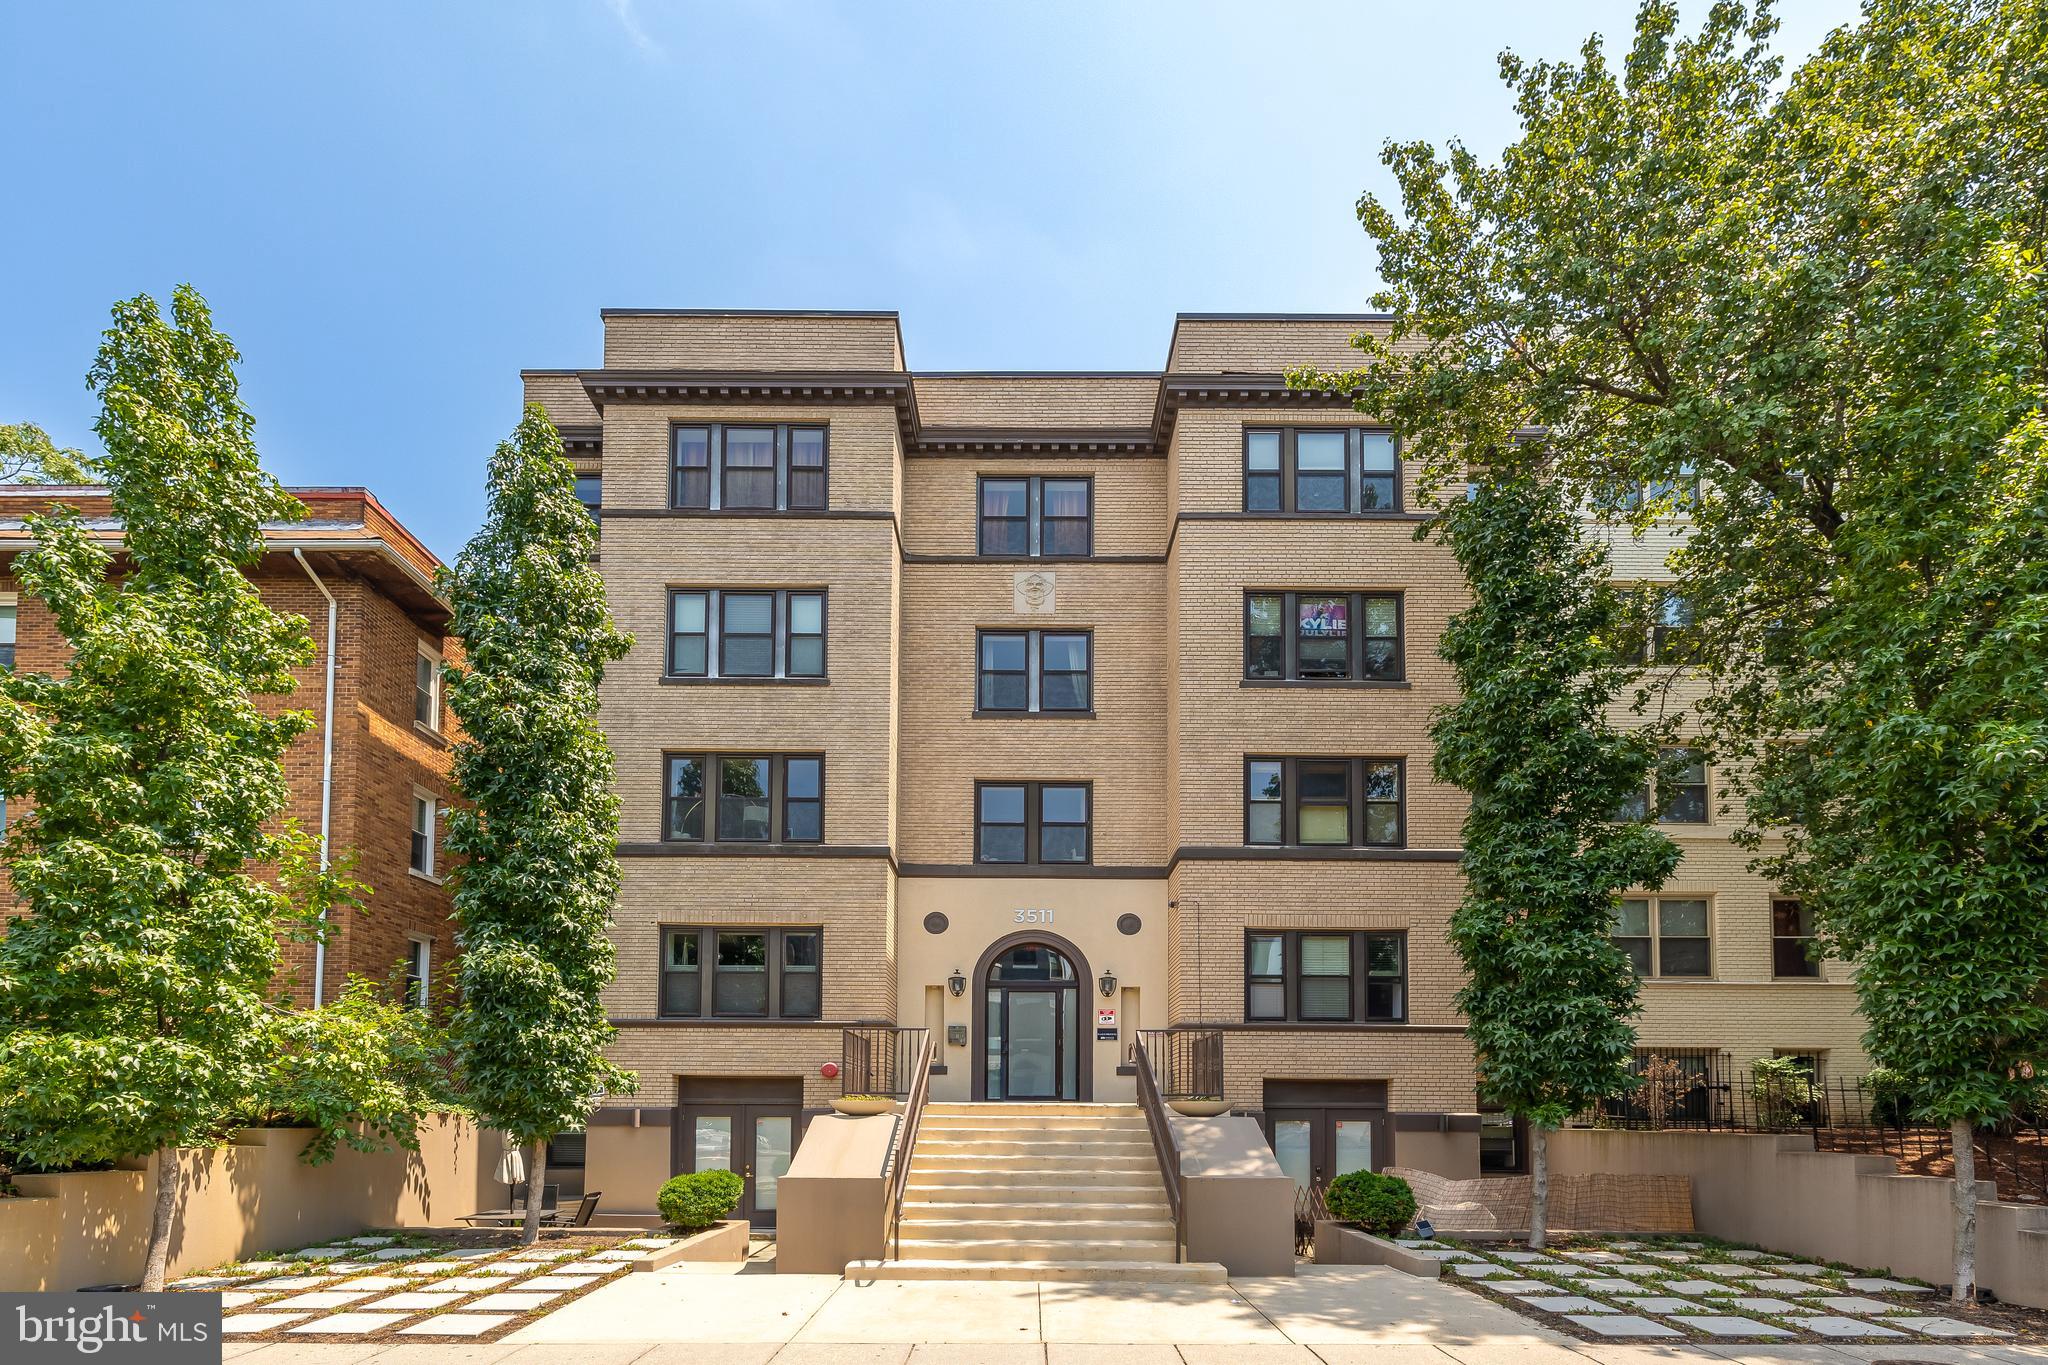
(1782, 1089)
(1377, 1203)
(699, 1199)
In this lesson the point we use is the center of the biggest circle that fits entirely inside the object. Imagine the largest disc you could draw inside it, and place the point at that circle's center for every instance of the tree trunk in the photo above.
(1539, 1186)
(536, 1183)
(1962, 1140)
(156, 1264)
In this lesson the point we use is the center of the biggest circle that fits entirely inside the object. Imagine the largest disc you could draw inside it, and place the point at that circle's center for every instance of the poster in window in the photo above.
(1324, 619)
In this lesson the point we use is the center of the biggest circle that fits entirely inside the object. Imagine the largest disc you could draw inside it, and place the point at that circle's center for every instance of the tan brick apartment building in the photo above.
(1038, 709)
(387, 730)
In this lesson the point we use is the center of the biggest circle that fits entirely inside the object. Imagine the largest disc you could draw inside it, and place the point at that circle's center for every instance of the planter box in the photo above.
(1342, 1244)
(726, 1241)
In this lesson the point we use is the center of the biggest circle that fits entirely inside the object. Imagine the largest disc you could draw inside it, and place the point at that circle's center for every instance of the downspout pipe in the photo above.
(326, 773)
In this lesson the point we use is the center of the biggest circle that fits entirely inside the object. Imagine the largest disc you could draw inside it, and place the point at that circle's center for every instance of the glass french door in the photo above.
(754, 1140)
(1315, 1146)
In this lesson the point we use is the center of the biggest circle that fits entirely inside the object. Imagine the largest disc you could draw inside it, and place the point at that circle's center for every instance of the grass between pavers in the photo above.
(2025, 1325)
(422, 1273)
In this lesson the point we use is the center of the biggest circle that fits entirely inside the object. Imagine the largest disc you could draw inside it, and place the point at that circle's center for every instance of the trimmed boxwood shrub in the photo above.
(1377, 1203)
(699, 1199)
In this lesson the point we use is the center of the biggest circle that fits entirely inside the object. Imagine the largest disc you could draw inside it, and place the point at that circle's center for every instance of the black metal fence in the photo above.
(1187, 1063)
(1701, 1090)
(876, 1059)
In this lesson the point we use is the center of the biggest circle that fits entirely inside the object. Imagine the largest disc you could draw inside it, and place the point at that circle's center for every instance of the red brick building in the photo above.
(373, 771)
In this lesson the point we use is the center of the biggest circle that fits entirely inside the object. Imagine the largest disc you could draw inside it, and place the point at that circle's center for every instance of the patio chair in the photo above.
(550, 1199)
(585, 1206)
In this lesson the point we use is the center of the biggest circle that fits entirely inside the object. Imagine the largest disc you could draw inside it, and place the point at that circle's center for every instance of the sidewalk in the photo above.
(1327, 1315)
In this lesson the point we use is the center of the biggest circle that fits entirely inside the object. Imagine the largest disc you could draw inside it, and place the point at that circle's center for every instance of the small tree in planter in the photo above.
(1382, 1204)
(697, 1200)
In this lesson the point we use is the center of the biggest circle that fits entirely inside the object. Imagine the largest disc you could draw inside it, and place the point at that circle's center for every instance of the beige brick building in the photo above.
(1038, 710)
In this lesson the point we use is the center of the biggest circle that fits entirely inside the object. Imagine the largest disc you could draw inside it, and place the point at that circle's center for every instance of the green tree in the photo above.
(133, 997)
(1825, 296)
(28, 455)
(1549, 998)
(535, 891)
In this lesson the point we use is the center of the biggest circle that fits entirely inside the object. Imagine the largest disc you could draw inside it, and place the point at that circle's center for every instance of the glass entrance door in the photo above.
(1032, 1016)
(755, 1140)
(1315, 1146)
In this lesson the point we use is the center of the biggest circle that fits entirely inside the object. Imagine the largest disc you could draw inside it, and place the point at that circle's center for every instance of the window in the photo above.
(423, 809)
(1031, 822)
(740, 973)
(764, 468)
(1680, 945)
(426, 689)
(1684, 798)
(1671, 637)
(1315, 976)
(1322, 637)
(590, 492)
(1323, 802)
(751, 799)
(1500, 1142)
(8, 613)
(1036, 518)
(419, 960)
(1321, 470)
(731, 633)
(1792, 940)
(1033, 671)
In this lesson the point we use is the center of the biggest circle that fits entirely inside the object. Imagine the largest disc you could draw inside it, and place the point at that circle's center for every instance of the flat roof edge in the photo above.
(876, 313)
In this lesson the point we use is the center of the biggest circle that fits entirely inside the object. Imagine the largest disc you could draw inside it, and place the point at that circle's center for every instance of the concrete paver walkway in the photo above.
(1327, 1315)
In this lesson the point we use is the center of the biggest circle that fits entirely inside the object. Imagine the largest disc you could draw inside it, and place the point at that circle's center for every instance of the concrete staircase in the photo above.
(1036, 1192)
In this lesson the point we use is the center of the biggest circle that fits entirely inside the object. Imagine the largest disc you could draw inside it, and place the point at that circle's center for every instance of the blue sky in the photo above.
(393, 207)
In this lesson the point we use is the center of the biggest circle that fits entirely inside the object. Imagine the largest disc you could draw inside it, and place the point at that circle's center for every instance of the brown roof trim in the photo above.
(1283, 317)
(1037, 374)
(582, 440)
(851, 387)
(1032, 440)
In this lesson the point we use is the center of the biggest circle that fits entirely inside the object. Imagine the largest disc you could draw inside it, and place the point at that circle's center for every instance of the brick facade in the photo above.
(385, 613)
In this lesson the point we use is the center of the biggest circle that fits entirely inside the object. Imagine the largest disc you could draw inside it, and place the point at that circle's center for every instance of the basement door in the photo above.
(753, 1134)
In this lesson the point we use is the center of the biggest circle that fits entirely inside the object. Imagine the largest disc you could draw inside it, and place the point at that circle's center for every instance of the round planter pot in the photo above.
(864, 1107)
(1199, 1109)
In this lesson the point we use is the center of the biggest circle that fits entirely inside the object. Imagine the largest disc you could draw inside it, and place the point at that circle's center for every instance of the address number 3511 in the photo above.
(1032, 917)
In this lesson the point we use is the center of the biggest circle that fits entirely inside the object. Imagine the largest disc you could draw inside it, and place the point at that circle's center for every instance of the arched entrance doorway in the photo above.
(1032, 1045)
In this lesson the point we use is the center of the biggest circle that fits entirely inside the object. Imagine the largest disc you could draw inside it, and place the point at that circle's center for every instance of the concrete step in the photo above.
(1084, 1123)
(1038, 1144)
(925, 1174)
(1004, 1109)
(942, 1210)
(1118, 1272)
(1020, 1192)
(1041, 1229)
(1137, 1159)
(1036, 1249)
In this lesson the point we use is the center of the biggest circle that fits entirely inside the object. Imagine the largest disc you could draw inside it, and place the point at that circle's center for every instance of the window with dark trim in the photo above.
(740, 973)
(1331, 471)
(8, 612)
(724, 633)
(1035, 517)
(1032, 822)
(1503, 1140)
(745, 799)
(1683, 800)
(1322, 637)
(1311, 976)
(747, 467)
(1324, 802)
(1034, 672)
(1792, 940)
(1665, 936)
(590, 492)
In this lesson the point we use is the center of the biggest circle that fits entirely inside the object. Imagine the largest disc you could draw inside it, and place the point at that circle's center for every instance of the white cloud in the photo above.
(629, 20)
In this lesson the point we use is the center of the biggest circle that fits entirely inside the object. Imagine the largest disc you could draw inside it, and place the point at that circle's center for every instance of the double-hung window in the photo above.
(426, 690)
(1312, 976)
(1322, 637)
(1034, 672)
(740, 973)
(590, 492)
(1792, 940)
(770, 467)
(1684, 795)
(8, 613)
(1321, 470)
(1664, 936)
(1032, 822)
(419, 967)
(1324, 802)
(745, 799)
(1036, 518)
(725, 633)
(420, 859)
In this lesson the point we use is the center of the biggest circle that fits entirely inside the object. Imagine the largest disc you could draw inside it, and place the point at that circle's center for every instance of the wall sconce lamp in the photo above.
(957, 983)
(1107, 984)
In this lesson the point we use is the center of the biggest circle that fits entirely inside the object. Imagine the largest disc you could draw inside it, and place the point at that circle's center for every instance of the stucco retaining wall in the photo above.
(92, 1227)
(1778, 1192)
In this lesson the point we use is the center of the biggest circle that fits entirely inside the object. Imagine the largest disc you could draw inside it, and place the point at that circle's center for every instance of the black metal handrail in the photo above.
(1154, 1110)
(880, 1059)
(1187, 1064)
(906, 1137)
